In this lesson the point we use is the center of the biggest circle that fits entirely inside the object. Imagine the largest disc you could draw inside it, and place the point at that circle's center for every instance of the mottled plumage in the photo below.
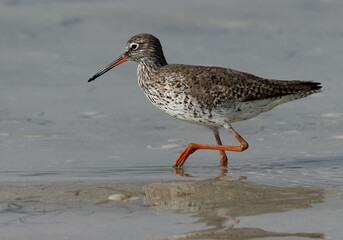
(209, 96)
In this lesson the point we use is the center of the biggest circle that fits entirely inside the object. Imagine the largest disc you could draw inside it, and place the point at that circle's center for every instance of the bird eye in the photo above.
(134, 46)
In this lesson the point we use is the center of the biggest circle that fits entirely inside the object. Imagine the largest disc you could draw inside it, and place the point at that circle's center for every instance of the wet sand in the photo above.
(195, 209)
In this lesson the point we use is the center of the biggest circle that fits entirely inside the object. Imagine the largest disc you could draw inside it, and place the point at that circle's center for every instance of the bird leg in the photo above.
(223, 157)
(192, 147)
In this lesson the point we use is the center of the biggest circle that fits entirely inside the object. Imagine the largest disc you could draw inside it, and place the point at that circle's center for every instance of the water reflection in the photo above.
(220, 203)
(223, 173)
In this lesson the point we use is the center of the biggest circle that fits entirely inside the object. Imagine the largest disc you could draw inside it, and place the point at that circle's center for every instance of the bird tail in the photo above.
(299, 88)
(306, 86)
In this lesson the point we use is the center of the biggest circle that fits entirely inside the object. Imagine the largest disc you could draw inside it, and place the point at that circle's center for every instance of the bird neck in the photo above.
(151, 64)
(147, 67)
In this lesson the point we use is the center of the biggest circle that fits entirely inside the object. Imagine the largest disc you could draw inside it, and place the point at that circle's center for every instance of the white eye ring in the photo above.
(134, 46)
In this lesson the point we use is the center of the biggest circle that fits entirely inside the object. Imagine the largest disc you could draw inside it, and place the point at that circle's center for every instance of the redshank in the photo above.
(213, 97)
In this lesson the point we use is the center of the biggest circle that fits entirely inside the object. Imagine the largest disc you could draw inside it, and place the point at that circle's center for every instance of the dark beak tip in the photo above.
(92, 78)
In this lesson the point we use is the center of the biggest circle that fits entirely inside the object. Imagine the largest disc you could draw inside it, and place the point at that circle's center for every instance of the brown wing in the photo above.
(215, 86)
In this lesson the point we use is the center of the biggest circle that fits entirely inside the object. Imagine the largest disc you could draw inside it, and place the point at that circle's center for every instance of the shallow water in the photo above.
(55, 128)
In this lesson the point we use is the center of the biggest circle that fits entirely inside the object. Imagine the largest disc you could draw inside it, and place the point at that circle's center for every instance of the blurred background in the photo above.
(53, 122)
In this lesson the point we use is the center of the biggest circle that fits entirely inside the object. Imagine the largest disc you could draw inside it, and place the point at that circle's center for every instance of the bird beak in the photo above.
(116, 62)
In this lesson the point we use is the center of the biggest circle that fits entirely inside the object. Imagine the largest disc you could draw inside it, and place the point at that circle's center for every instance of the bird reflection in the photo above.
(223, 174)
(219, 204)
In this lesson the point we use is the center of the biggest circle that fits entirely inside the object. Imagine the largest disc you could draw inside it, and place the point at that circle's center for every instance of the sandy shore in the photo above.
(49, 196)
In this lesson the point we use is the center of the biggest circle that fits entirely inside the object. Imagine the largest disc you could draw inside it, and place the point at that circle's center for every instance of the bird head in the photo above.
(139, 48)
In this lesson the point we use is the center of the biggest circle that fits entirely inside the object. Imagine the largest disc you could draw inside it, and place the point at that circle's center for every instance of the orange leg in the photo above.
(192, 147)
(223, 157)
